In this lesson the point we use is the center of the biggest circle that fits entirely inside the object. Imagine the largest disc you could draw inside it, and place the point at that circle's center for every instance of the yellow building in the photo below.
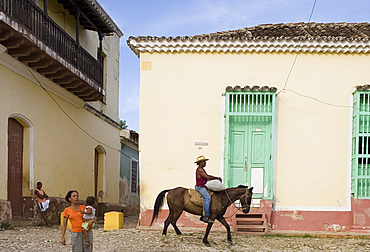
(59, 102)
(283, 108)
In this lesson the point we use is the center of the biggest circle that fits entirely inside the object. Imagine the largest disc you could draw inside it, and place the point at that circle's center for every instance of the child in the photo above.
(88, 218)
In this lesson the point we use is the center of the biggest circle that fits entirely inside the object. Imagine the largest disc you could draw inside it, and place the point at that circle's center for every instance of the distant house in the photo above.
(59, 64)
(129, 190)
(283, 108)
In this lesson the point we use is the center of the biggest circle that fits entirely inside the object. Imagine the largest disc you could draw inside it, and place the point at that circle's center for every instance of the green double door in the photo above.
(250, 157)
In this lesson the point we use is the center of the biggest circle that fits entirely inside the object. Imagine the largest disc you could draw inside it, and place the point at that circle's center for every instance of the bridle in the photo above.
(246, 199)
(238, 208)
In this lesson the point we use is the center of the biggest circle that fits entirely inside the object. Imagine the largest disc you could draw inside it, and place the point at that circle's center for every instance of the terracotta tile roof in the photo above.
(294, 31)
(249, 88)
(297, 37)
(363, 87)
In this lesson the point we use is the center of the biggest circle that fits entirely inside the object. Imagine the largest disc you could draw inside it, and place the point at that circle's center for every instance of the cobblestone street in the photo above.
(132, 239)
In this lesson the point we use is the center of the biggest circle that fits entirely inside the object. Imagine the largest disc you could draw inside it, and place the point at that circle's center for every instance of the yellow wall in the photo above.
(63, 154)
(181, 103)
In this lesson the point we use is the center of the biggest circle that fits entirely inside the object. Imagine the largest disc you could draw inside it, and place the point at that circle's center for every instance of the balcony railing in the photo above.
(30, 16)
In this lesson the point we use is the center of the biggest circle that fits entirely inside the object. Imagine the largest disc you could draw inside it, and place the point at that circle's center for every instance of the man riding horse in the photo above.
(201, 178)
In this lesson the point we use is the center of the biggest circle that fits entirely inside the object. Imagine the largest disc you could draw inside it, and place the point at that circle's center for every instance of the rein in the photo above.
(237, 208)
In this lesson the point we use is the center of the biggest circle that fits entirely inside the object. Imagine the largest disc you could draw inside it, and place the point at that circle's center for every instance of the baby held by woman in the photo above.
(88, 218)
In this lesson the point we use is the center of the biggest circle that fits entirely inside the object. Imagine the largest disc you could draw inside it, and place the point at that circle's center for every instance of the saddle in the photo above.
(196, 198)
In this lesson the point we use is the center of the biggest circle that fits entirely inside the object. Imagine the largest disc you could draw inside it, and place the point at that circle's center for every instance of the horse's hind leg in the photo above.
(175, 217)
(166, 224)
(224, 222)
(172, 218)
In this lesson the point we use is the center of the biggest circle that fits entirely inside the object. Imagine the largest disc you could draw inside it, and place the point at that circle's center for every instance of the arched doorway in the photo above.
(15, 165)
(99, 173)
(20, 162)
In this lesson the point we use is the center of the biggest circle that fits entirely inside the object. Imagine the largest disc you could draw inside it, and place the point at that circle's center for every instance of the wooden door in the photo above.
(15, 165)
(259, 159)
(250, 154)
(238, 154)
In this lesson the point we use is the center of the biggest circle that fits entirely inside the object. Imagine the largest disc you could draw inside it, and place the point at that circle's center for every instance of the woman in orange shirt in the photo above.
(73, 214)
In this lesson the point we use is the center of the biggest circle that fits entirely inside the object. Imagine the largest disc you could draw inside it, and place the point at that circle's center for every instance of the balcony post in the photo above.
(78, 26)
(100, 56)
(46, 7)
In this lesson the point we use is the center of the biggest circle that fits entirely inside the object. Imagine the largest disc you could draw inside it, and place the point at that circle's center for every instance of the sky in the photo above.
(194, 17)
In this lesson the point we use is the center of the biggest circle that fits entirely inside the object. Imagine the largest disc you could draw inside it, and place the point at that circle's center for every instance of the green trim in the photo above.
(360, 185)
(249, 110)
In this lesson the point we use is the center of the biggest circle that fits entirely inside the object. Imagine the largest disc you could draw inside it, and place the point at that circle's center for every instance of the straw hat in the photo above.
(200, 159)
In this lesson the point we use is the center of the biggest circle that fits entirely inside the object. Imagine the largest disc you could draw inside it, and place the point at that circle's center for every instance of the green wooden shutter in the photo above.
(361, 145)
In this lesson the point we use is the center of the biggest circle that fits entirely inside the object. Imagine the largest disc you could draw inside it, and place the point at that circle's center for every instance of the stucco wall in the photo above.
(89, 40)
(111, 45)
(63, 154)
(181, 103)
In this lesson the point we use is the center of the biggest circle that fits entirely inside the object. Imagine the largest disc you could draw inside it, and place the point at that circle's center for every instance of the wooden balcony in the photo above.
(36, 40)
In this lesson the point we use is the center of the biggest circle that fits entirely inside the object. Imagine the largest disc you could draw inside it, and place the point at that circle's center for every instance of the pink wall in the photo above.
(361, 214)
(311, 220)
(356, 220)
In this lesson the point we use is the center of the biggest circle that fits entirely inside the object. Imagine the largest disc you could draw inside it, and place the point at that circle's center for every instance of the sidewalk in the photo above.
(290, 233)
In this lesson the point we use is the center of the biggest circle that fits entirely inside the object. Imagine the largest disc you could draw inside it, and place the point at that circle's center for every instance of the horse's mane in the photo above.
(242, 186)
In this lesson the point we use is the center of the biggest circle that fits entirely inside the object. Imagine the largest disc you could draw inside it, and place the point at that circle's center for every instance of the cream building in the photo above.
(283, 108)
(59, 102)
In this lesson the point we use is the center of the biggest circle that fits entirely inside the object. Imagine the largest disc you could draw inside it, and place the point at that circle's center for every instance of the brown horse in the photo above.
(178, 200)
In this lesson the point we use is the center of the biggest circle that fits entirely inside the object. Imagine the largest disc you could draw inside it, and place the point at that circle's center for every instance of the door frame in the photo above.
(28, 140)
(28, 155)
(99, 173)
(241, 112)
(15, 166)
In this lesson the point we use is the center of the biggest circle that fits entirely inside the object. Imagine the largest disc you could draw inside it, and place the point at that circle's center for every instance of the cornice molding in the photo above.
(102, 116)
(104, 16)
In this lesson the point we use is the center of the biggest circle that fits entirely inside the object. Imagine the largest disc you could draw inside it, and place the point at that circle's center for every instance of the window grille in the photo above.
(250, 103)
(361, 145)
(134, 177)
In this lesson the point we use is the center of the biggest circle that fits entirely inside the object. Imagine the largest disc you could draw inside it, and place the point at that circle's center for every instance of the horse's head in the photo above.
(246, 200)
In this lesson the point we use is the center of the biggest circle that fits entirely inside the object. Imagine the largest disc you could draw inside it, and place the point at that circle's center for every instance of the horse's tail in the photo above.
(158, 204)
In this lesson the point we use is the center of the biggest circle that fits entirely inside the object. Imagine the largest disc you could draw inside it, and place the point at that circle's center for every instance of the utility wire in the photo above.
(296, 54)
(313, 98)
(87, 133)
(291, 69)
(313, 8)
(70, 118)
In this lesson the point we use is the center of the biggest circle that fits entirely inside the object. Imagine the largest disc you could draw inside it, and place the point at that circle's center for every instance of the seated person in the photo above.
(202, 177)
(43, 201)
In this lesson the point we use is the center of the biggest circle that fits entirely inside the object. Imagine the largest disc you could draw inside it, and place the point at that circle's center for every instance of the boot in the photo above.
(206, 219)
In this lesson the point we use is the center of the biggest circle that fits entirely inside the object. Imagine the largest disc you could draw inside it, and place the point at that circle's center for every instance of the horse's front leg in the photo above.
(205, 238)
(224, 222)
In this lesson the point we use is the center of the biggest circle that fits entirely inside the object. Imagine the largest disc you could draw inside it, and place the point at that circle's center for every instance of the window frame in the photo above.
(360, 179)
(136, 185)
